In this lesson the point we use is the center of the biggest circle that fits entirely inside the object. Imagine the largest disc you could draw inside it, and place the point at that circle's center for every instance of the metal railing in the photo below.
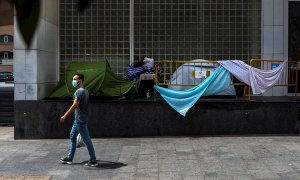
(289, 77)
(167, 70)
(174, 72)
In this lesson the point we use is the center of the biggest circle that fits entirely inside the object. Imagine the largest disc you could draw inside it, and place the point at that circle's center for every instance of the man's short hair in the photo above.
(80, 76)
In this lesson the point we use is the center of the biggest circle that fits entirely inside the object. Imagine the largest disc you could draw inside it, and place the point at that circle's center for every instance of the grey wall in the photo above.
(40, 119)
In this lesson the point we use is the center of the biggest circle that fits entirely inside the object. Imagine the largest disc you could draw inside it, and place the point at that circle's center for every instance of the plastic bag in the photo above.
(80, 142)
(148, 63)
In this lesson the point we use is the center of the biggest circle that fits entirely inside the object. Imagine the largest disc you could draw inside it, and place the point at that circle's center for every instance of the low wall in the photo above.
(40, 119)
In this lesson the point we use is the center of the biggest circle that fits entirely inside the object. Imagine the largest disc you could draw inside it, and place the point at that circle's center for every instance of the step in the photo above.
(7, 124)
(2, 101)
(6, 93)
(6, 99)
(6, 120)
(6, 114)
(6, 104)
(10, 98)
(10, 123)
(6, 109)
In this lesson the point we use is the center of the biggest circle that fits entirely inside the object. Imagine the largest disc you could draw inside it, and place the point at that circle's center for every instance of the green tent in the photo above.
(99, 80)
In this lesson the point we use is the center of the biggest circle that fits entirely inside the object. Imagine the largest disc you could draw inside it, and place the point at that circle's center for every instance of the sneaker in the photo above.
(66, 160)
(91, 163)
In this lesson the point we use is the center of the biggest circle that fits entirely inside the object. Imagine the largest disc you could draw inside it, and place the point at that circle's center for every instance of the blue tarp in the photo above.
(182, 101)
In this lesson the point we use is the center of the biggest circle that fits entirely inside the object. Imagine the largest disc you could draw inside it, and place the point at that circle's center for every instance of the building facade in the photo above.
(6, 36)
(126, 31)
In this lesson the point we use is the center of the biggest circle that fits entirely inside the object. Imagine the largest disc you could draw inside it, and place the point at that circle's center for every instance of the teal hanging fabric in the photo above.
(182, 101)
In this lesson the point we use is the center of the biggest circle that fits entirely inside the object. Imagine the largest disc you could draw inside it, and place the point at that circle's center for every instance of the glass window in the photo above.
(5, 38)
(197, 29)
(177, 29)
(97, 34)
(6, 55)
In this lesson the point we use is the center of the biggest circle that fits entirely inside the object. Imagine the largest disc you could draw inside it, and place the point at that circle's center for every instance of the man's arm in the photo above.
(71, 110)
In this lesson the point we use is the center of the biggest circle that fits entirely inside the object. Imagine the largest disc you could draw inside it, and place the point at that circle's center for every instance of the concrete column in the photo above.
(36, 67)
(273, 29)
(273, 36)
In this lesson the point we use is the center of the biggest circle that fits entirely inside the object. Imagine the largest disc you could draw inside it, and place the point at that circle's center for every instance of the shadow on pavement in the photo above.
(104, 164)
(110, 165)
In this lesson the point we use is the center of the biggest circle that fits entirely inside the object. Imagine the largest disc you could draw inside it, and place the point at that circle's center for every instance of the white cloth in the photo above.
(259, 80)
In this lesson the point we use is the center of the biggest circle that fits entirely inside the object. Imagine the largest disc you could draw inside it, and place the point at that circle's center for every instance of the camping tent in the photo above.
(99, 80)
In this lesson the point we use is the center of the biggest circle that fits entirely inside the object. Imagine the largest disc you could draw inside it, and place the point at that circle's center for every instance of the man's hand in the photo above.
(71, 110)
(63, 118)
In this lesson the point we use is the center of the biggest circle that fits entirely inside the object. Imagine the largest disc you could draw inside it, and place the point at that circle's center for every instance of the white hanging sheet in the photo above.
(259, 80)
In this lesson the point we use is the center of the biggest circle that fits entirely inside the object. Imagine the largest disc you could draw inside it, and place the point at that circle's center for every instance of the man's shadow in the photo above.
(104, 164)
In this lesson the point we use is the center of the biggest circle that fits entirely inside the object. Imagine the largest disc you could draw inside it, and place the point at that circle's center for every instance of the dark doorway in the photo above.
(294, 38)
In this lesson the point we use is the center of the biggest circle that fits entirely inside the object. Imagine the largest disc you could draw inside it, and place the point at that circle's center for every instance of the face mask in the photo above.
(75, 83)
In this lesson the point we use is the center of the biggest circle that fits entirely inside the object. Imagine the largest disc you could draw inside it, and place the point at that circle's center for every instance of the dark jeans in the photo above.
(84, 132)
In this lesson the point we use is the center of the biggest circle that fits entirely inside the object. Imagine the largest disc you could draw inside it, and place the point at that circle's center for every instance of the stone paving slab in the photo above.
(24, 177)
(155, 158)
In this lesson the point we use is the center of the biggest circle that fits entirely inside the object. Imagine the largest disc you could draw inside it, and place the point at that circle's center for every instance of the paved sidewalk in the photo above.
(186, 158)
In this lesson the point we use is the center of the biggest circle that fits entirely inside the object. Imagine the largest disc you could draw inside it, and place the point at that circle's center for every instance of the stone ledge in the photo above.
(40, 119)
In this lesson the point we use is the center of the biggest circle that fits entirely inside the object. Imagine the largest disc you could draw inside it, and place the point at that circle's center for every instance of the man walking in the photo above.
(80, 106)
